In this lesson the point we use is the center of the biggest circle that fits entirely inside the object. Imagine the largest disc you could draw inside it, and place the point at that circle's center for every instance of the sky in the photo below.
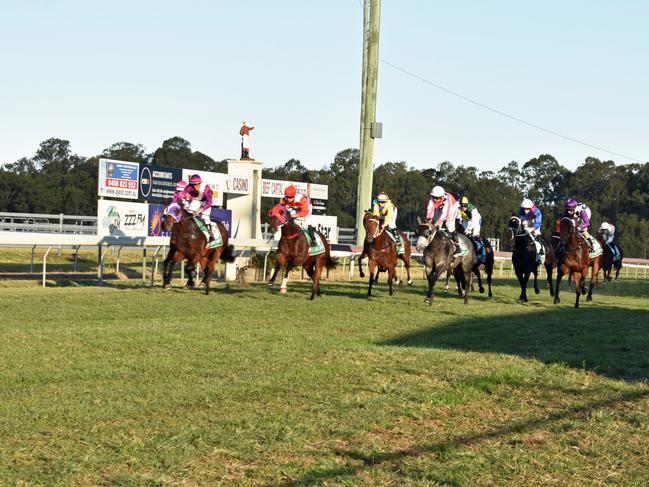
(142, 71)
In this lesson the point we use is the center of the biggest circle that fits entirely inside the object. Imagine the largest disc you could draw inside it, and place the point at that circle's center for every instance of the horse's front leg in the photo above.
(468, 285)
(433, 276)
(548, 271)
(360, 264)
(577, 276)
(476, 271)
(372, 267)
(283, 287)
(392, 276)
(279, 262)
(537, 290)
(166, 275)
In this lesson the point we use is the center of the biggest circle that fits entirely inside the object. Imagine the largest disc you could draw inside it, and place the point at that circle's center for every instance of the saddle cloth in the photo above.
(399, 241)
(315, 247)
(218, 240)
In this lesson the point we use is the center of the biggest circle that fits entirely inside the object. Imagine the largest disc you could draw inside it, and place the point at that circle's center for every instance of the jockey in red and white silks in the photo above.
(442, 209)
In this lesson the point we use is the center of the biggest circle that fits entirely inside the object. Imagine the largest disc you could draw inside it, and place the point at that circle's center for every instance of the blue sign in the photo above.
(224, 216)
(158, 183)
(155, 221)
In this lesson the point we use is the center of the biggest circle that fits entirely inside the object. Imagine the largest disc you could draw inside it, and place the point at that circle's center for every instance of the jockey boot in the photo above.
(312, 235)
(211, 232)
(456, 241)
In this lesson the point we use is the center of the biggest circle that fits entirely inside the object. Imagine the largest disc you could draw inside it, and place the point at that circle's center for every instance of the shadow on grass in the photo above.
(363, 461)
(613, 342)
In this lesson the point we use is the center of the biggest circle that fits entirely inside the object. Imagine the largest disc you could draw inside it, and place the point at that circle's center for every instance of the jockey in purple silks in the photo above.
(198, 196)
(580, 213)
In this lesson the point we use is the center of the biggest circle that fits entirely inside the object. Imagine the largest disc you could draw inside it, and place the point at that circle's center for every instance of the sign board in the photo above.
(237, 184)
(224, 216)
(154, 228)
(122, 218)
(158, 183)
(273, 188)
(118, 179)
(318, 191)
(327, 225)
(215, 180)
(318, 206)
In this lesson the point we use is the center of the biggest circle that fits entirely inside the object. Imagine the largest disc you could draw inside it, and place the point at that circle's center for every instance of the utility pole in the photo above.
(371, 8)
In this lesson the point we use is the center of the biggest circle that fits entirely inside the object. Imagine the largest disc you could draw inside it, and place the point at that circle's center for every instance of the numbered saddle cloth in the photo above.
(461, 250)
(597, 249)
(399, 241)
(315, 247)
(218, 240)
(480, 250)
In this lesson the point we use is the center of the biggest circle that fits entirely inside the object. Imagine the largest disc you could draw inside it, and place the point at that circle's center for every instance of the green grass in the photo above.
(132, 386)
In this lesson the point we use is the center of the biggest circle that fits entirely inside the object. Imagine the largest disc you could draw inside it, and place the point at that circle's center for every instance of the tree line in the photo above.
(55, 180)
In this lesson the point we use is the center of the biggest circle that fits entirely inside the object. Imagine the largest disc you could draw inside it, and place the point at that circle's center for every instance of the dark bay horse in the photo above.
(293, 250)
(382, 252)
(438, 251)
(573, 257)
(188, 242)
(524, 257)
(608, 262)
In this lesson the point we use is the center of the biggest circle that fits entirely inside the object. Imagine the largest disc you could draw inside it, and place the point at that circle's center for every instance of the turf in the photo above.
(125, 385)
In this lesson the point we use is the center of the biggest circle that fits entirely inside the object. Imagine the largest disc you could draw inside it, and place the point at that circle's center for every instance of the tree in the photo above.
(125, 151)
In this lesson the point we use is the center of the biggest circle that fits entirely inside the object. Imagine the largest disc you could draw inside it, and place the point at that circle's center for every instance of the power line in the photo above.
(499, 112)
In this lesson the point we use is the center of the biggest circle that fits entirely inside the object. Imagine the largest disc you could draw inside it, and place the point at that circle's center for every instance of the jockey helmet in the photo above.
(290, 191)
(195, 179)
(527, 204)
(181, 185)
(605, 226)
(464, 201)
(571, 204)
(437, 192)
(382, 197)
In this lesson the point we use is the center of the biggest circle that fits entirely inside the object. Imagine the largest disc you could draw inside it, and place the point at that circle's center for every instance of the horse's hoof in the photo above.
(589, 298)
(362, 274)
(481, 290)
(398, 282)
(490, 294)
(410, 282)
(428, 301)
(283, 290)
(269, 283)
(557, 300)
(445, 291)
(537, 291)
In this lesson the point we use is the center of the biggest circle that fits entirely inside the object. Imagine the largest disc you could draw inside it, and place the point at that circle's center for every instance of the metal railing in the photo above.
(48, 223)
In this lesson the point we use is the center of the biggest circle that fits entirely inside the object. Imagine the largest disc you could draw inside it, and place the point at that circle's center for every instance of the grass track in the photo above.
(132, 386)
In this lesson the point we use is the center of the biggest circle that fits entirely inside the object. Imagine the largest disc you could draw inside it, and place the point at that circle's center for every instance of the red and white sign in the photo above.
(237, 184)
(118, 179)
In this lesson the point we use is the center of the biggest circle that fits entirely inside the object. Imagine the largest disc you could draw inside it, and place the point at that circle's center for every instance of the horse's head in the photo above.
(567, 230)
(372, 226)
(425, 233)
(514, 227)
(278, 217)
(171, 215)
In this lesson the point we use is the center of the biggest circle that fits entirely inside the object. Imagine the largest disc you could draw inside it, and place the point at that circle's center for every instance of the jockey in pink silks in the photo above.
(198, 200)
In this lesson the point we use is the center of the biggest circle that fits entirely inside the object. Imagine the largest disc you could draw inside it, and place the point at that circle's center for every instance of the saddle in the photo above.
(396, 238)
(459, 246)
(480, 249)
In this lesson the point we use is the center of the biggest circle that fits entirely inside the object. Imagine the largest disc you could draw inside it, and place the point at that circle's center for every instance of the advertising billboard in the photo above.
(215, 180)
(156, 215)
(122, 218)
(158, 183)
(118, 179)
(224, 216)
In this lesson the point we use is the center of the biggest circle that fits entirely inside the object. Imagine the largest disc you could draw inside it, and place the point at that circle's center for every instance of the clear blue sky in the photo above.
(97, 72)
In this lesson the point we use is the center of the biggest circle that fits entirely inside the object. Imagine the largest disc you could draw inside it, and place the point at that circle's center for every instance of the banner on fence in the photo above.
(158, 183)
(118, 179)
(122, 218)
(156, 215)
(224, 216)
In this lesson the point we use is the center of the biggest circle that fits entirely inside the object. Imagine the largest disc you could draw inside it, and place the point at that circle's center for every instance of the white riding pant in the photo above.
(195, 205)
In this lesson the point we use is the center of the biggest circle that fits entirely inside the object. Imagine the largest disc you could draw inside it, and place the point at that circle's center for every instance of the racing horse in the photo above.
(488, 264)
(608, 262)
(382, 252)
(293, 250)
(524, 257)
(438, 250)
(188, 242)
(573, 257)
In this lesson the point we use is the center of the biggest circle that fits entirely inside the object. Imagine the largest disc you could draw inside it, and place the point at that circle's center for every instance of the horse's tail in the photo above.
(331, 263)
(228, 254)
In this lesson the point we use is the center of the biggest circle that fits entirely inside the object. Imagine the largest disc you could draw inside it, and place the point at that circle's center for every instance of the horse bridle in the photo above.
(378, 230)
(573, 228)
(433, 230)
(522, 233)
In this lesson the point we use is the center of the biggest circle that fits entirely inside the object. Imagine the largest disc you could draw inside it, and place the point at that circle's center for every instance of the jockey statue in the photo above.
(197, 197)
(299, 208)
(443, 210)
(244, 132)
(580, 213)
(531, 219)
(384, 209)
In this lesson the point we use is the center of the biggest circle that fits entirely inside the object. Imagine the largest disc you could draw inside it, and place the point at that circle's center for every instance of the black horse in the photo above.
(488, 263)
(524, 257)
(439, 257)
(608, 259)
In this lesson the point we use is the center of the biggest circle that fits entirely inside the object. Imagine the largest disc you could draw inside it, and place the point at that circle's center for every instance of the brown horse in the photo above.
(382, 252)
(608, 261)
(573, 258)
(188, 242)
(293, 250)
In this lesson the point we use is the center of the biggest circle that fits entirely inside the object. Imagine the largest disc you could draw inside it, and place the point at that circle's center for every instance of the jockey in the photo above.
(531, 219)
(299, 208)
(471, 219)
(180, 187)
(384, 208)
(608, 232)
(580, 213)
(198, 196)
(442, 210)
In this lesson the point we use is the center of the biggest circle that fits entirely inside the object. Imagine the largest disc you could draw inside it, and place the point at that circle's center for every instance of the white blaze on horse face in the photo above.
(422, 243)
